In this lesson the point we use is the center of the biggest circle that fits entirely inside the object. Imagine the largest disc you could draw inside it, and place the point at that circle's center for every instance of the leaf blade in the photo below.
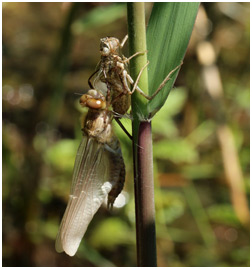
(168, 34)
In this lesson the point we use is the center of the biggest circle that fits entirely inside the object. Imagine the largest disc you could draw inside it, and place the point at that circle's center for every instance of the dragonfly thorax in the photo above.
(98, 125)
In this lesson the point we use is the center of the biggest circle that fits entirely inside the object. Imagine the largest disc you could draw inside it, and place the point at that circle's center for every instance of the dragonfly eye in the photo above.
(91, 102)
(96, 103)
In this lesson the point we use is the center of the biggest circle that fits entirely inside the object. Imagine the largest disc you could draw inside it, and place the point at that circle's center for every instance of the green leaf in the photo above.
(199, 171)
(177, 151)
(111, 233)
(99, 16)
(62, 154)
(168, 34)
(169, 129)
(86, 251)
(169, 205)
(223, 213)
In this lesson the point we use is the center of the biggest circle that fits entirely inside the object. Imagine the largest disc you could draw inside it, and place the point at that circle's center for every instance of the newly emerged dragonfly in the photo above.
(99, 173)
(112, 70)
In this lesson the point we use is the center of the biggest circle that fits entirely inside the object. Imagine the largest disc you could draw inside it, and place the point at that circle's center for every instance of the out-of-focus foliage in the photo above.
(49, 51)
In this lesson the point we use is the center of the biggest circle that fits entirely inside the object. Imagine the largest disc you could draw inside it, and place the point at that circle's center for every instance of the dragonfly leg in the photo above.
(124, 76)
(126, 60)
(165, 81)
(138, 78)
(123, 128)
(135, 87)
(89, 79)
(124, 41)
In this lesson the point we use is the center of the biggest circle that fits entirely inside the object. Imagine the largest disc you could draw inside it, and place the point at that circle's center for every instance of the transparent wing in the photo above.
(90, 186)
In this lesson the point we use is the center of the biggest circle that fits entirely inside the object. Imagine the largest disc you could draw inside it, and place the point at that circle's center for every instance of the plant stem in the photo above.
(142, 144)
(144, 195)
(137, 43)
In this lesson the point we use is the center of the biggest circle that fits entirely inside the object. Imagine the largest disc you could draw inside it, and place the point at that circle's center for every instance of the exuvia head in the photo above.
(109, 45)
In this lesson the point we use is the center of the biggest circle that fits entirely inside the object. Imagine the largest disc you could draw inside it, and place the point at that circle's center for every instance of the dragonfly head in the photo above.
(93, 99)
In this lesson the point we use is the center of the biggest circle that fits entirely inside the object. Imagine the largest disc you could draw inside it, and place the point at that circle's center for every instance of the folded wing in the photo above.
(90, 186)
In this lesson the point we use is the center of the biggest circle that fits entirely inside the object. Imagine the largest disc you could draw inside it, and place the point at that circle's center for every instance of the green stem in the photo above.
(137, 43)
(142, 143)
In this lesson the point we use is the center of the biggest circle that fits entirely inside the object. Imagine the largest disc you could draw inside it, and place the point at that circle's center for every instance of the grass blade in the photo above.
(168, 34)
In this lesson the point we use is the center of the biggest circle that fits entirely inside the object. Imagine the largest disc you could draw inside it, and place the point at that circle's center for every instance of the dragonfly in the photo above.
(112, 70)
(99, 173)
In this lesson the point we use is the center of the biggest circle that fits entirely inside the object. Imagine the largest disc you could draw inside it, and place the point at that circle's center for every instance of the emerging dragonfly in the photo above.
(112, 70)
(99, 173)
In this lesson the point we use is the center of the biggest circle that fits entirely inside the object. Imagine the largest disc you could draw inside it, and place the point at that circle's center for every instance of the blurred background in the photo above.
(201, 139)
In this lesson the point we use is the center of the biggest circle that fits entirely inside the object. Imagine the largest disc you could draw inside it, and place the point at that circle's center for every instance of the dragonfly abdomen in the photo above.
(118, 177)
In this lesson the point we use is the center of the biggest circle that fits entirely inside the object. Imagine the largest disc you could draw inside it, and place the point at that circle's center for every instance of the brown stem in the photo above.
(144, 196)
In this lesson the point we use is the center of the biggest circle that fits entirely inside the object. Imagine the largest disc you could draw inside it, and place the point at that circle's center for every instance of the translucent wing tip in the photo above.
(70, 247)
(71, 251)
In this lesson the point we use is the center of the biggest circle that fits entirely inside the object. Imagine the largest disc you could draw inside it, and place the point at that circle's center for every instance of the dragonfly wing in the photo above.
(90, 186)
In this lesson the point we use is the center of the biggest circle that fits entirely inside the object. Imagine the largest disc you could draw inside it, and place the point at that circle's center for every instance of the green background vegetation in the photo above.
(49, 51)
